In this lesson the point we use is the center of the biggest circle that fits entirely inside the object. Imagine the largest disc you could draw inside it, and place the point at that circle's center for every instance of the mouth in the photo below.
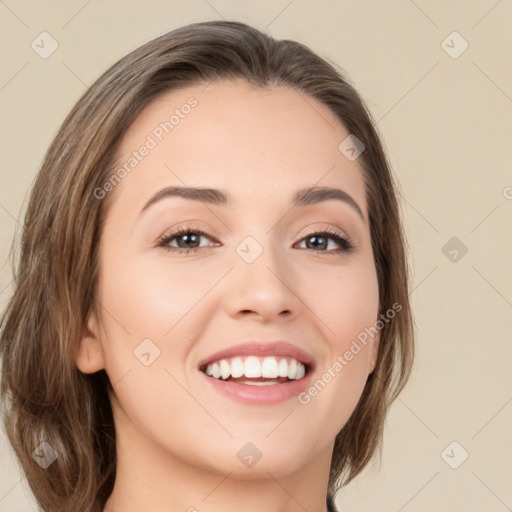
(257, 371)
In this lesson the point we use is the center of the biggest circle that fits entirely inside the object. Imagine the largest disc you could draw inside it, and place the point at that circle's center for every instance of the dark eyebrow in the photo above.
(205, 195)
(303, 197)
(315, 195)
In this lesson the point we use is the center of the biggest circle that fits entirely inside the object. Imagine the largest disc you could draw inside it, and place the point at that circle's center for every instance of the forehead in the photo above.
(261, 144)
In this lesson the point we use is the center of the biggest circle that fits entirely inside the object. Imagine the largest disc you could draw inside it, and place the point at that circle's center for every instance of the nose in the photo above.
(265, 289)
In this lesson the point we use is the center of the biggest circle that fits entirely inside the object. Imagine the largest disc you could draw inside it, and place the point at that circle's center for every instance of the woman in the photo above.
(211, 306)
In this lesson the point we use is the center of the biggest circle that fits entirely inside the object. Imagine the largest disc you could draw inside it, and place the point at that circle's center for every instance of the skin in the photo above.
(177, 439)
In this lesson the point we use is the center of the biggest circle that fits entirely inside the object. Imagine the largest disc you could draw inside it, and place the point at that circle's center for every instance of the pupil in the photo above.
(316, 238)
(189, 238)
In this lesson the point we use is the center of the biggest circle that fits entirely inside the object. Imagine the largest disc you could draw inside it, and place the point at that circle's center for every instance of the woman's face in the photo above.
(257, 274)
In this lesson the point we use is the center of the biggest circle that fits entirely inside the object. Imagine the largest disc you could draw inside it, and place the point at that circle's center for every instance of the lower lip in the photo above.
(259, 395)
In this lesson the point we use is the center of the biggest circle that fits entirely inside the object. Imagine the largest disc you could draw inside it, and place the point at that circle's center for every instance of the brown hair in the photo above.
(44, 395)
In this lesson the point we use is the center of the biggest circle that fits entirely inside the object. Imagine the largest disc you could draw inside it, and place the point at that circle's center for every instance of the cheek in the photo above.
(140, 359)
(150, 299)
(149, 306)
(346, 300)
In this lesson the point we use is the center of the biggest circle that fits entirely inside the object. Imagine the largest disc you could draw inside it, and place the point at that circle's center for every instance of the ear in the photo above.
(90, 357)
(374, 353)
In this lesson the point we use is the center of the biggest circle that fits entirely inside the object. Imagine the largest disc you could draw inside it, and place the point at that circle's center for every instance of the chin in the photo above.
(249, 460)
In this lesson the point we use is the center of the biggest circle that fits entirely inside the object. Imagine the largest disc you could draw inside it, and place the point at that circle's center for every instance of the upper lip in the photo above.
(259, 348)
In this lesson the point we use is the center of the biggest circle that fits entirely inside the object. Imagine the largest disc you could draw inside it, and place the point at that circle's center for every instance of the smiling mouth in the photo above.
(262, 381)
(257, 371)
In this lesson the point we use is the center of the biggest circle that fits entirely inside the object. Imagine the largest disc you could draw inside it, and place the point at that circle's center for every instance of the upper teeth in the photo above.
(254, 367)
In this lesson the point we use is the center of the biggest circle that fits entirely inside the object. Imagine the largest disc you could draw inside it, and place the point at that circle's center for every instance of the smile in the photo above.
(256, 371)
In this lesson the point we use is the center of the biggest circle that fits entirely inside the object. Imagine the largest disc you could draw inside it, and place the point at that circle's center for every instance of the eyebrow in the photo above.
(303, 197)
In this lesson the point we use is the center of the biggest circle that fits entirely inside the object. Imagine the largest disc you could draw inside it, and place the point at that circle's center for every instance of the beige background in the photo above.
(447, 124)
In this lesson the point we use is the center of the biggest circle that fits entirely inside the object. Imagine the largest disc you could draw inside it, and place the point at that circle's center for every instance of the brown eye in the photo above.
(187, 240)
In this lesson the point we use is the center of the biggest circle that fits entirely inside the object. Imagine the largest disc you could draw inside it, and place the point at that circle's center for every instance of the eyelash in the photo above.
(345, 243)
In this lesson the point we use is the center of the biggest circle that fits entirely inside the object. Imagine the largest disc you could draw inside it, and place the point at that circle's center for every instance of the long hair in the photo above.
(45, 398)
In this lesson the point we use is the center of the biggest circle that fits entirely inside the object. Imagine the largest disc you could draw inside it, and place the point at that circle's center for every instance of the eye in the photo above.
(321, 240)
(187, 239)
